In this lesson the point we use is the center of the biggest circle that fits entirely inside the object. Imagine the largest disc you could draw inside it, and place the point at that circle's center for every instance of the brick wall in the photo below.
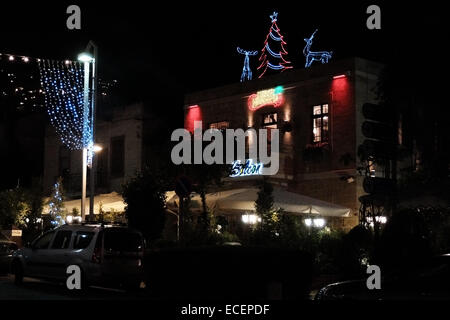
(303, 88)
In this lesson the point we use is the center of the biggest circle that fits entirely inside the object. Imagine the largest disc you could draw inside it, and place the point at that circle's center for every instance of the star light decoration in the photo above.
(62, 82)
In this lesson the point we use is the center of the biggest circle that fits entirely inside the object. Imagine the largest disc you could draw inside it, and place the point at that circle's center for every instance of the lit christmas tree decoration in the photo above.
(311, 56)
(62, 82)
(56, 204)
(246, 71)
(271, 58)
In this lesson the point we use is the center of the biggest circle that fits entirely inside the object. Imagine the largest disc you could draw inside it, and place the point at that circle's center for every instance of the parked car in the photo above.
(429, 280)
(107, 255)
(7, 247)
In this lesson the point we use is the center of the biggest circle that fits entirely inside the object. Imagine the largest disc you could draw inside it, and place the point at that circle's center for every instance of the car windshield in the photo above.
(122, 240)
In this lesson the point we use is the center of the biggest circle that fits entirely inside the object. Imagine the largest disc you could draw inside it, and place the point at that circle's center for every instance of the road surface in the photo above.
(33, 289)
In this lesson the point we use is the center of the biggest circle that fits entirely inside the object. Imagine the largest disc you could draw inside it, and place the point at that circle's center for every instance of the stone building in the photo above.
(119, 134)
(318, 112)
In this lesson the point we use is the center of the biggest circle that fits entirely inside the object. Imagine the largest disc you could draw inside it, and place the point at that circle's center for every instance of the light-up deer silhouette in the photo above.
(246, 72)
(311, 56)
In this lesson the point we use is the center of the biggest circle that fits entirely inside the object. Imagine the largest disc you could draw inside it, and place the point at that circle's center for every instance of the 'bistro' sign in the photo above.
(247, 169)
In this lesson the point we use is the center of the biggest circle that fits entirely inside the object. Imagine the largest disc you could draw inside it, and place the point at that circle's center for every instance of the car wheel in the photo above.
(18, 273)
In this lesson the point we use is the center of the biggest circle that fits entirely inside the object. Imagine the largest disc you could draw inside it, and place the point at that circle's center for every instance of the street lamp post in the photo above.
(88, 128)
(93, 105)
(86, 59)
(95, 149)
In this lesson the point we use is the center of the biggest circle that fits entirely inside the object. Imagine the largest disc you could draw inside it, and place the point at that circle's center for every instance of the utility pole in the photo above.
(88, 128)
(92, 45)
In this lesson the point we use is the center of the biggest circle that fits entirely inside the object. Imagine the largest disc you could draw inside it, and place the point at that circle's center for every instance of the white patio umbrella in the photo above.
(243, 199)
(110, 201)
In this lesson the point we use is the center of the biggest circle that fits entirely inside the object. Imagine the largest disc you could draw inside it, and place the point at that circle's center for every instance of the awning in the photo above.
(243, 200)
(109, 201)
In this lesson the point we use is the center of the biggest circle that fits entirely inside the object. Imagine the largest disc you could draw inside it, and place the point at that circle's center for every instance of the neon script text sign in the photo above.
(249, 168)
(270, 97)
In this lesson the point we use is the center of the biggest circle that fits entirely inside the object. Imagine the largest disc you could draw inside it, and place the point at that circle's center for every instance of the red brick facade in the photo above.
(330, 173)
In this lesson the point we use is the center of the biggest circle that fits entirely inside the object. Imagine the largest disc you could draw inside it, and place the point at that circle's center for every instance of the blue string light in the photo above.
(274, 37)
(62, 83)
(271, 66)
(311, 56)
(246, 71)
(273, 54)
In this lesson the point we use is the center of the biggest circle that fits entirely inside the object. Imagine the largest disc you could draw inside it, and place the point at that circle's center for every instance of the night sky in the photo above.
(192, 46)
(159, 52)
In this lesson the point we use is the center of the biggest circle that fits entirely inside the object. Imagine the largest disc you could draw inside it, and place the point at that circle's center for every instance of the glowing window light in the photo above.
(319, 222)
(381, 219)
(378, 219)
(308, 222)
(267, 97)
(250, 219)
(315, 222)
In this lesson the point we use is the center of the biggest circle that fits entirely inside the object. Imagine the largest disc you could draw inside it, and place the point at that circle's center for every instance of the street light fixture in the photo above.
(85, 57)
(97, 148)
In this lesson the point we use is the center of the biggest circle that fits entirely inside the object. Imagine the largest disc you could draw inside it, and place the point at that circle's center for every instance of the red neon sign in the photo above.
(270, 97)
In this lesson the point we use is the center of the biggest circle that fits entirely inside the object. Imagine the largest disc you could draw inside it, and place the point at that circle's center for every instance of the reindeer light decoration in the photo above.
(311, 56)
(246, 72)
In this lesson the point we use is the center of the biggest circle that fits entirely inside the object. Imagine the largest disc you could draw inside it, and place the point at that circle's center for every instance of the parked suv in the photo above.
(106, 254)
(7, 248)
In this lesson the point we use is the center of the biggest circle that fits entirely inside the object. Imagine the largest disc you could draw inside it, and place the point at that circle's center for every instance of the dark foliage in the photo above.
(145, 198)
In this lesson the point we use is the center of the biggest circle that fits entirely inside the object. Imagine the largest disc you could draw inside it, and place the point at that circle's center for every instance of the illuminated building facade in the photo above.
(318, 113)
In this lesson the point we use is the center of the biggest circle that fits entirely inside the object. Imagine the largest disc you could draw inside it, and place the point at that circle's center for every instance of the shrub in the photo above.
(144, 196)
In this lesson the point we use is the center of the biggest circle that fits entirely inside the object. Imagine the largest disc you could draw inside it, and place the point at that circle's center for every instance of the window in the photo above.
(320, 123)
(82, 239)
(221, 125)
(62, 240)
(102, 168)
(122, 240)
(270, 120)
(117, 156)
(64, 161)
(44, 241)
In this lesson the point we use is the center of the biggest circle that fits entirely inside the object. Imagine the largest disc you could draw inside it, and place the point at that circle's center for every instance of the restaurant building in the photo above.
(318, 112)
